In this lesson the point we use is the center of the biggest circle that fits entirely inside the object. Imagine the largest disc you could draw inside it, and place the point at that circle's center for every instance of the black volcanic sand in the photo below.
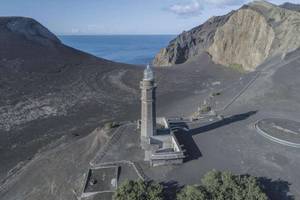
(230, 144)
(233, 143)
(53, 97)
(73, 93)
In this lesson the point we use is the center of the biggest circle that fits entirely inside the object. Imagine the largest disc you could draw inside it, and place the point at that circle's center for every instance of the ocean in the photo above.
(131, 49)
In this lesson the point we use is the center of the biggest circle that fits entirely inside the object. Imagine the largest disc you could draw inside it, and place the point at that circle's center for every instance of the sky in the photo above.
(92, 17)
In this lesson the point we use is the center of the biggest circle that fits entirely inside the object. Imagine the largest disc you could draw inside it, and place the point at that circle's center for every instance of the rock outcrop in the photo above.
(234, 43)
(244, 38)
(191, 43)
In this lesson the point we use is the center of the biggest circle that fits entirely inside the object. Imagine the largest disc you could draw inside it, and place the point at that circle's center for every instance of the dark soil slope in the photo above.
(51, 91)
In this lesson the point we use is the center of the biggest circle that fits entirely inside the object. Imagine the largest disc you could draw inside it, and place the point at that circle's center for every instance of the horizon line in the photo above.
(130, 34)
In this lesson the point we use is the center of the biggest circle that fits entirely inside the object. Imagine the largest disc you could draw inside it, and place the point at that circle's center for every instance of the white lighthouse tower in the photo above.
(148, 118)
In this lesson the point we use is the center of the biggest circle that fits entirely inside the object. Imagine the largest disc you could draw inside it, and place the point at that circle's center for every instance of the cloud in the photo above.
(195, 7)
(219, 3)
(88, 29)
(186, 9)
(75, 30)
(92, 27)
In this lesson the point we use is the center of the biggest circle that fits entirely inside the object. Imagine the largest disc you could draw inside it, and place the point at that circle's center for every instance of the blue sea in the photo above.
(132, 49)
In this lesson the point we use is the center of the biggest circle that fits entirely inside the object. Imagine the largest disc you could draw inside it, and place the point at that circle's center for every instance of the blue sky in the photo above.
(120, 16)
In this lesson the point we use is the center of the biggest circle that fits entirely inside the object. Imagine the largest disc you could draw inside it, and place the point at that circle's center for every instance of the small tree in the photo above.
(110, 125)
(204, 109)
(192, 193)
(224, 185)
(139, 190)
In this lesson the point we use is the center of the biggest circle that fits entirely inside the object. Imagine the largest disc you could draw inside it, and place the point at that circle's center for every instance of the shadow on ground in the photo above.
(190, 147)
(276, 189)
(223, 122)
(185, 135)
(171, 188)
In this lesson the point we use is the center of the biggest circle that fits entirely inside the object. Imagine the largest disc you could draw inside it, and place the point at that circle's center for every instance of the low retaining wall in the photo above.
(167, 158)
(274, 139)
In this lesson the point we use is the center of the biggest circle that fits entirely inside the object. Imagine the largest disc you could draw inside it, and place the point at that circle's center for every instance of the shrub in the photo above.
(214, 94)
(139, 190)
(237, 67)
(224, 185)
(205, 109)
(110, 125)
(192, 193)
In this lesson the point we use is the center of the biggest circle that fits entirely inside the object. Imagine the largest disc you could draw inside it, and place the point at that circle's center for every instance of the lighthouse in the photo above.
(148, 112)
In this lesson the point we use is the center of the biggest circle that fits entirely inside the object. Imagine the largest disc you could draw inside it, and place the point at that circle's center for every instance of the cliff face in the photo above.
(245, 37)
(191, 43)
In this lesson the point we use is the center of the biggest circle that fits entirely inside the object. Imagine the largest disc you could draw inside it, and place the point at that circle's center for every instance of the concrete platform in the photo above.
(100, 180)
(283, 131)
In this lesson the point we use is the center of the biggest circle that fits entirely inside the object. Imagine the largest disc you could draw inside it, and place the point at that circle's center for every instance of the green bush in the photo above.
(224, 185)
(205, 109)
(139, 190)
(215, 186)
(192, 193)
(110, 125)
(237, 67)
(214, 94)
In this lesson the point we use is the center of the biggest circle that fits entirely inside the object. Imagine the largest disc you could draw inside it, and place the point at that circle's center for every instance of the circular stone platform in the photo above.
(283, 131)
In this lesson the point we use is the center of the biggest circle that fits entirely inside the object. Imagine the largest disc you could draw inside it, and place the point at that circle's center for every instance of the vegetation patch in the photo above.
(214, 94)
(224, 185)
(139, 190)
(205, 109)
(110, 125)
(237, 67)
(215, 185)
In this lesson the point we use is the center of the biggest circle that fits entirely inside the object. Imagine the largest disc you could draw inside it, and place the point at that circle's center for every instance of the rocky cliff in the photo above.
(191, 43)
(243, 38)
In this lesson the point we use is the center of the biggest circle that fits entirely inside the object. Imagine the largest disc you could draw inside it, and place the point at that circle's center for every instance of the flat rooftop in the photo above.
(101, 179)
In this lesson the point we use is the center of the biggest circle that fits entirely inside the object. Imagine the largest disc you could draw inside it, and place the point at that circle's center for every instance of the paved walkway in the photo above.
(115, 138)
(111, 141)
(252, 81)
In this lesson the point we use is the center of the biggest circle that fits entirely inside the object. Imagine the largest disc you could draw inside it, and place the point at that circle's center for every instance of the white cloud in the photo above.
(92, 27)
(186, 9)
(88, 29)
(225, 2)
(75, 30)
(194, 7)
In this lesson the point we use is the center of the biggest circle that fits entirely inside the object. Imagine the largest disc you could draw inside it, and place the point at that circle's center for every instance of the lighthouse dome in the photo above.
(148, 73)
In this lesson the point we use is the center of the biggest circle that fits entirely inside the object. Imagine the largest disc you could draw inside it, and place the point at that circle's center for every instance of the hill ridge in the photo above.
(244, 38)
